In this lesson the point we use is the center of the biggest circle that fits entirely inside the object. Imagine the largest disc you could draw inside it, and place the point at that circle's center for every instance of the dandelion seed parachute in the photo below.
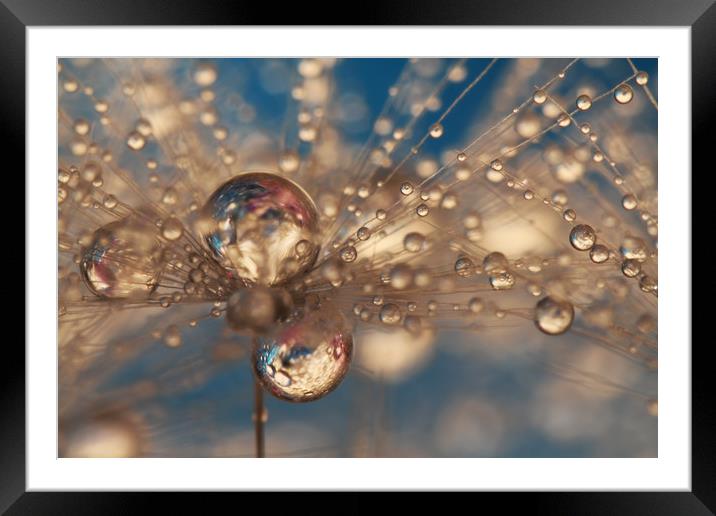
(417, 229)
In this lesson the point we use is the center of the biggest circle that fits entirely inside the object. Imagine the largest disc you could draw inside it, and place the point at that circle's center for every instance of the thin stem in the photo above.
(259, 412)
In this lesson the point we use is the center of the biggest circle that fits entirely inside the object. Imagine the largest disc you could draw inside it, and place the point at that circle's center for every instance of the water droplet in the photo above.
(117, 262)
(502, 281)
(348, 254)
(528, 124)
(623, 94)
(634, 248)
(401, 276)
(253, 224)
(422, 210)
(363, 233)
(172, 229)
(380, 214)
(461, 156)
(629, 202)
(560, 198)
(642, 78)
(101, 106)
(81, 126)
(390, 314)
(495, 262)
(648, 284)
(582, 237)
(631, 268)
(172, 336)
(539, 97)
(110, 201)
(136, 141)
(448, 202)
(569, 215)
(313, 352)
(464, 267)
(91, 172)
(289, 161)
(599, 253)
(406, 188)
(143, 127)
(475, 305)
(413, 242)
(563, 120)
(496, 165)
(584, 102)
(205, 74)
(70, 86)
(436, 131)
(553, 316)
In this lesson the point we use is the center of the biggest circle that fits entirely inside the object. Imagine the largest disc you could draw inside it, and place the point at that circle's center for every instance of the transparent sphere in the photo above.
(253, 223)
(122, 261)
(307, 357)
(582, 237)
(553, 316)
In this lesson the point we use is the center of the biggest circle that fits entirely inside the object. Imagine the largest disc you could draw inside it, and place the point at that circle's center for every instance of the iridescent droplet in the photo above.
(255, 223)
(313, 352)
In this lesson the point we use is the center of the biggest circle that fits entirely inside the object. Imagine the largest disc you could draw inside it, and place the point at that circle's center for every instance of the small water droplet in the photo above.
(553, 316)
(406, 188)
(582, 237)
(136, 141)
(436, 131)
(348, 254)
(623, 94)
(584, 102)
(390, 314)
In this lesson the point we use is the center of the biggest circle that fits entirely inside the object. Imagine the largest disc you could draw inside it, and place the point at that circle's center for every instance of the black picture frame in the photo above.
(700, 15)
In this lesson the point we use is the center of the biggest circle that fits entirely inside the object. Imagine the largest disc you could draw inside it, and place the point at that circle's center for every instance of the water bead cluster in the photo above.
(300, 255)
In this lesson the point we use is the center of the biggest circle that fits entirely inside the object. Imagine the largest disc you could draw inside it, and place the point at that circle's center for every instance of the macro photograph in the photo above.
(357, 257)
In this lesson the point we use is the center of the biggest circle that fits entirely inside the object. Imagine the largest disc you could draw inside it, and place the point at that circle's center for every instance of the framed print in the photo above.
(417, 252)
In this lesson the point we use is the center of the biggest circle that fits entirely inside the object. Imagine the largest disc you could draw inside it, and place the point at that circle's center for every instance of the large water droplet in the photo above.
(313, 351)
(253, 223)
(119, 262)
